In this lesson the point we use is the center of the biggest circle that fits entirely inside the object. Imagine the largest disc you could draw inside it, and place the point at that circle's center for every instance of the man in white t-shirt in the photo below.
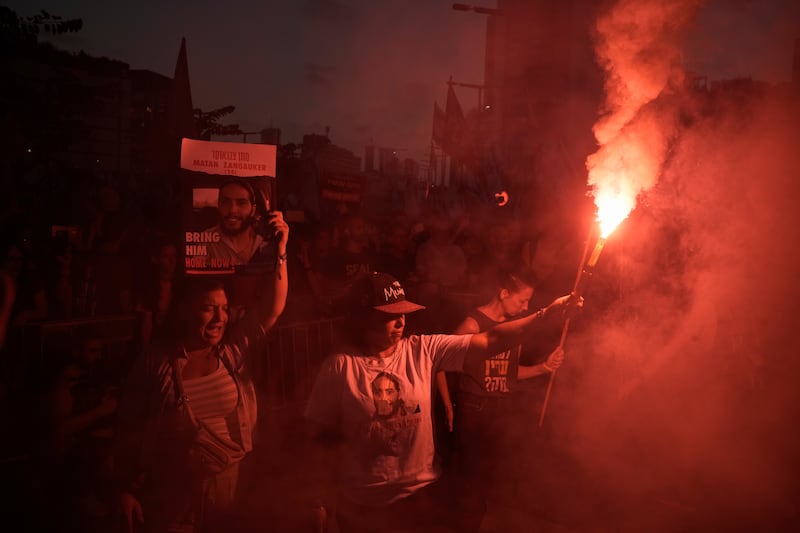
(373, 398)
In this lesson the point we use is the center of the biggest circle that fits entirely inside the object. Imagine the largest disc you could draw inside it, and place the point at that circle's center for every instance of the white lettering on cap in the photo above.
(393, 292)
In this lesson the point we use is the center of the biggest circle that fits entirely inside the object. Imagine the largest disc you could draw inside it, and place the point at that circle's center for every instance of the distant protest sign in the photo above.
(226, 191)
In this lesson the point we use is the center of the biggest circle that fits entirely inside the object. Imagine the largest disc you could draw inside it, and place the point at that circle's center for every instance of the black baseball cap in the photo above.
(383, 292)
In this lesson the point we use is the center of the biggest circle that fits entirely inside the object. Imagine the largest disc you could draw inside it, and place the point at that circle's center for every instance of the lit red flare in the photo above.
(612, 209)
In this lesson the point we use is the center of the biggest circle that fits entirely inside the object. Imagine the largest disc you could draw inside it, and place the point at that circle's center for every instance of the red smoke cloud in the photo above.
(638, 46)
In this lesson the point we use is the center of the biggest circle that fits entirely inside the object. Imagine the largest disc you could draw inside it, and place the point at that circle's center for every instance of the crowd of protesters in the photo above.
(112, 262)
(110, 258)
(387, 471)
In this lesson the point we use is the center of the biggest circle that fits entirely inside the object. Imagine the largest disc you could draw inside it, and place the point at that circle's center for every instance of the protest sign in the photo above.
(226, 192)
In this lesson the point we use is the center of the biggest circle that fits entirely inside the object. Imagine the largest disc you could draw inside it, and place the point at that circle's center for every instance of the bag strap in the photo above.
(181, 396)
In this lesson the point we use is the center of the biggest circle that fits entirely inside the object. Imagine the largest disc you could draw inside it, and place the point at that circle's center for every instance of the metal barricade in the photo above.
(33, 338)
(285, 373)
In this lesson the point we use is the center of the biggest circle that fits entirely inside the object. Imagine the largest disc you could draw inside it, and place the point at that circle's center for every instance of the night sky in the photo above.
(370, 70)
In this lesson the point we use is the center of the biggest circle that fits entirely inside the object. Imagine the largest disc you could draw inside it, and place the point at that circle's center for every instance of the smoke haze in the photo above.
(680, 394)
(638, 46)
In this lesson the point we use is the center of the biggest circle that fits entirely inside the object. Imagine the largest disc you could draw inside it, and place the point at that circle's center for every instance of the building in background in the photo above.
(150, 97)
(69, 110)
(544, 92)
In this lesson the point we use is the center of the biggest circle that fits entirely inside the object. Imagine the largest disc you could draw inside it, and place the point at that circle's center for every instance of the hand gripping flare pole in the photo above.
(583, 266)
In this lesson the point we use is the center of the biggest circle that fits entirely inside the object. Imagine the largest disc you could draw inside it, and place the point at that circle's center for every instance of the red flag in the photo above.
(454, 121)
(438, 124)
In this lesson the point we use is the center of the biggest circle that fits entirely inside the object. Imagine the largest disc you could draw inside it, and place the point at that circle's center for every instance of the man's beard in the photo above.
(247, 223)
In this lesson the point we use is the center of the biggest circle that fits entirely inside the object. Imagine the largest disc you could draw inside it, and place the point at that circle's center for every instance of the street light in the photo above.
(480, 88)
(489, 37)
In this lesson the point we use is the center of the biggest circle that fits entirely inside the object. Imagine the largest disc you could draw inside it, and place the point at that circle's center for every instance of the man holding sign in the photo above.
(238, 239)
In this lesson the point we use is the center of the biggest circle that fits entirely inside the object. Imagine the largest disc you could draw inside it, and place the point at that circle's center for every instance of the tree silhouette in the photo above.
(208, 122)
(23, 31)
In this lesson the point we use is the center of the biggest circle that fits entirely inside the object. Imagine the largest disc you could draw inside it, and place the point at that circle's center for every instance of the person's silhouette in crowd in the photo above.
(157, 290)
(79, 404)
(192, 392)
(352, 256)
(478, 255)
(508, 242)
(110, 275)
(106, 210)
(441, 269)
(61, 266)
(386, 473)
(312, 255)
(484, 416)
(396, 254)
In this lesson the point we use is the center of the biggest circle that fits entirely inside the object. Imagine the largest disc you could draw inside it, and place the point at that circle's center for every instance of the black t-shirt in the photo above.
(489, 375)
